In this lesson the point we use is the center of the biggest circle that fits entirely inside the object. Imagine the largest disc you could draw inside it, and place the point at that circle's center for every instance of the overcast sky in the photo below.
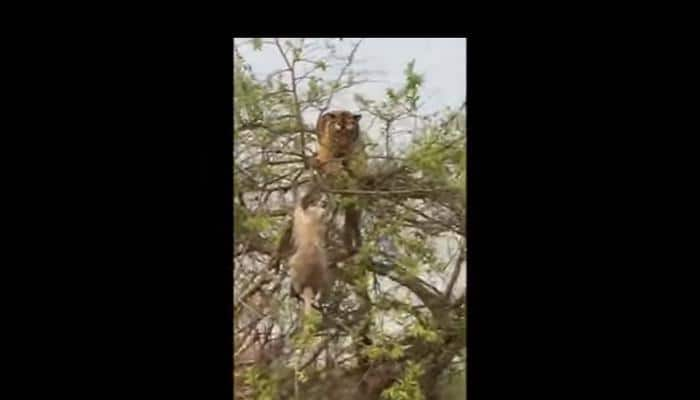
(442, 61)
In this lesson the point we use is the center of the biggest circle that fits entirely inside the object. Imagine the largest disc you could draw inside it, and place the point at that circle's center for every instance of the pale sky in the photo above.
(441, 61)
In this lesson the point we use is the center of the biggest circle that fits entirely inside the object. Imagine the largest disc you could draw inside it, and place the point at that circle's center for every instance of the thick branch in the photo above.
(455, 274)
(434, 301)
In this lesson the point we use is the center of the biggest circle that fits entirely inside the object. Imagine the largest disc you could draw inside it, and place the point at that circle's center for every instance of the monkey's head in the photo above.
(339, 129)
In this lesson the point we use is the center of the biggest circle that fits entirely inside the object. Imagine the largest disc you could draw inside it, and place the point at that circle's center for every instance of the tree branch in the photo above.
(455, 273)
(337, 81)
(300, 120)
(387, 192)
(433, 301)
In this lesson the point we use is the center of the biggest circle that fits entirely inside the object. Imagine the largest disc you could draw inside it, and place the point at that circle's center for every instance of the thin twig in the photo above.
(337, 81)
(318, 351)
(428, 218)
(300, 120)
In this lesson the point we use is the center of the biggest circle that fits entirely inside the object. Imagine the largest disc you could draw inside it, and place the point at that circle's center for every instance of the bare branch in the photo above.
(429, 218)
(300, 119)
(389, 192)
(340, 76)
(283, 162)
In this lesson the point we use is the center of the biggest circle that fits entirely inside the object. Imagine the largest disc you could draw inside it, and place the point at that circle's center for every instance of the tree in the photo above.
(394, 326)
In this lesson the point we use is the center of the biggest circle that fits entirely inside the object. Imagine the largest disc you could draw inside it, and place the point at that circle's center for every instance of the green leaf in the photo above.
(374, 352)
(396, 352)
(408, 387)
(257, 44)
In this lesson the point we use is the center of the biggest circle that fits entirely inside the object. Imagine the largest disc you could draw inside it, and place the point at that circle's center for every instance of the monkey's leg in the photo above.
(308, 296)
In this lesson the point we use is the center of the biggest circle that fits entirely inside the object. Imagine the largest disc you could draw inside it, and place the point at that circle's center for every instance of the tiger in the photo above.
(341, 148)
(339, 143)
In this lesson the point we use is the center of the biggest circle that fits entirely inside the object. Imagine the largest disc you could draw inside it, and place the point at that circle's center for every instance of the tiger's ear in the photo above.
(320, 125)
(357, 117)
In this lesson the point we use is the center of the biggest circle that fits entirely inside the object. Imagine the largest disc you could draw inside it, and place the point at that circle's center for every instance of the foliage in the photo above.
(264, 387)
(408, 387)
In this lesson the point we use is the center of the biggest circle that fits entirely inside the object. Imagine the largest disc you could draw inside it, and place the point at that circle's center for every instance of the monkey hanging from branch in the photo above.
(341, 148)
(309, 262)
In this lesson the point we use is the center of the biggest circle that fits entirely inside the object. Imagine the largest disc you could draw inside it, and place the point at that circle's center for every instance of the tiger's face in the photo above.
(343, 129)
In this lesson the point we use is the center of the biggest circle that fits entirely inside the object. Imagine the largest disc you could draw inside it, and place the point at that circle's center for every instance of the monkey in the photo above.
(309, 262)
(340, 147)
